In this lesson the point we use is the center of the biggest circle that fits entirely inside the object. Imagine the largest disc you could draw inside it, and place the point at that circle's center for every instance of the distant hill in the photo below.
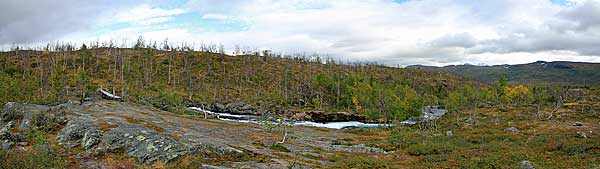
(537, 72)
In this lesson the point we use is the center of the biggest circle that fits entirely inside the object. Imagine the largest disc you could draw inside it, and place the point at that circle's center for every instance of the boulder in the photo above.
(233, 108)
(526, 165)
(24, 124)
(240, 109)
(5, 134)
(322, 117)
(428, 113)
(217, 107)
(511, 129)
(7, 145)
(22, 144)
(449, 133)
(581, 135)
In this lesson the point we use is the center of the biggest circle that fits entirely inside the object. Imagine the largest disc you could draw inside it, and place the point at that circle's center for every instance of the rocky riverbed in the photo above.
(149, 135)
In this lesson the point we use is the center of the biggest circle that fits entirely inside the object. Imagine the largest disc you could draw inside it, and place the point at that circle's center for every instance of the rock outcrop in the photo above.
(428, 113)
(146, 145)
(235, 108)
(101, 128)
(319, 116)
(79, 133)
(131, 130)
(526, 165)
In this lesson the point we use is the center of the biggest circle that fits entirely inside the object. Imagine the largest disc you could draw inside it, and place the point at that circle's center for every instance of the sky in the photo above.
(391, 32)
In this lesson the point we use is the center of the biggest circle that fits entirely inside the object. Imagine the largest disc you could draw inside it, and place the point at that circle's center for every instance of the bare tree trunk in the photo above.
(169, 73)
(123, 89)
(282, 122)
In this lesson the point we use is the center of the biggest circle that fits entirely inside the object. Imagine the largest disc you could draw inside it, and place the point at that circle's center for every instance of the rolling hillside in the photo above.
(537, 72)
(176, 78)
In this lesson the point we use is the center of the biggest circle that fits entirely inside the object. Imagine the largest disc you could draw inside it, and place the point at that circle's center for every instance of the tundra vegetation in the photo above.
(172, 77)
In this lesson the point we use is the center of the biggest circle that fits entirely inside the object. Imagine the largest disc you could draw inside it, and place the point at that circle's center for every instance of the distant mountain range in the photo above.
(537, 72)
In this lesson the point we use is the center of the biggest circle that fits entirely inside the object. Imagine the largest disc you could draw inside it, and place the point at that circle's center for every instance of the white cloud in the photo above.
(144, 14)
(215, 16)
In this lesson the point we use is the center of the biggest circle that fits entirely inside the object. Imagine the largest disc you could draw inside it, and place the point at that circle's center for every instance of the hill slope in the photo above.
(537, 72)
(173, 79)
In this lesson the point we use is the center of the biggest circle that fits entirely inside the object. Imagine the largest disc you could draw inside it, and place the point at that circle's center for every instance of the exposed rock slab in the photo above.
(150, 135)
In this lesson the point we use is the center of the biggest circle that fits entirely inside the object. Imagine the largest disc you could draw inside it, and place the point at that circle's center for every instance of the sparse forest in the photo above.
(172, 77)
(177, 75)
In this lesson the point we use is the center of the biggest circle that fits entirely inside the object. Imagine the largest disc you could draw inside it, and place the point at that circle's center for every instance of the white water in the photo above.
(253, 119)
(338, 125)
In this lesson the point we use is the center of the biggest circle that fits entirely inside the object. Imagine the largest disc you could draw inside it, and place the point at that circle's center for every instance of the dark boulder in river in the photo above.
(320, 116)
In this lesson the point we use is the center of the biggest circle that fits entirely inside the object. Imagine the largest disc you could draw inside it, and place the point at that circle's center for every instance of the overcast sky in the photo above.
(393, 32)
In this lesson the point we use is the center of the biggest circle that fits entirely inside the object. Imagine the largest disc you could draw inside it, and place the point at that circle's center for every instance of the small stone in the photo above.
(206, 166)
(511, 129)
(526, 165)
(24, 125)
(10, 124)
(6, 144)
(578, 124)
(22, 144)
(581, 135)
(449, 133)
(140, 138)
(83, 154)
(91, 138)
(91, 165)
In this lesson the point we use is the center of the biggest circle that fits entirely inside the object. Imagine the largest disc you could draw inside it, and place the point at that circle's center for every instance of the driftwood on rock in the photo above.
(108, 96)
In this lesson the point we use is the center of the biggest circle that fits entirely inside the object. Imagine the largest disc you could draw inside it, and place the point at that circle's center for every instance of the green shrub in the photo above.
(572, 149)
(42, 154)
(487, 163)
(429, 148)
(401, 139)
(279, 147)
(363, 162)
